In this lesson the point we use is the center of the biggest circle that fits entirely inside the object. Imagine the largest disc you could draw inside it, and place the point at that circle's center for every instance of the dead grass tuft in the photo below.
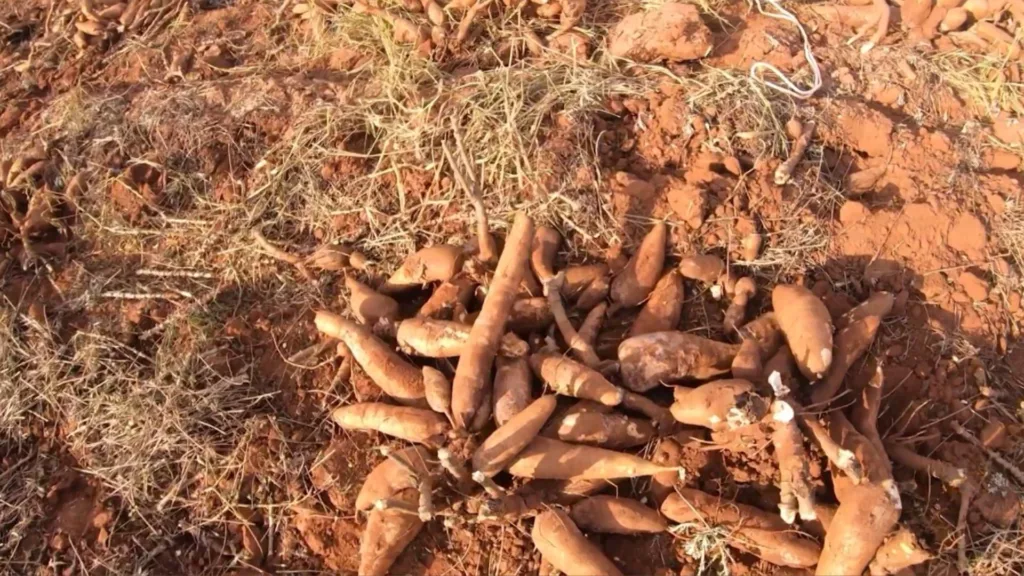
(981, 80)
(1008, 229)
(707, 546)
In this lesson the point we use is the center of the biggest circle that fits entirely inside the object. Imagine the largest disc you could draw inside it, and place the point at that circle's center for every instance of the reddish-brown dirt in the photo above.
(940, 227)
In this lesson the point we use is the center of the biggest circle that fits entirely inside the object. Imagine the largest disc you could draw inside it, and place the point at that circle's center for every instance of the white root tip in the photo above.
(716, 292)
(775, 381)
(826, 358)
(681, 473)
(845, 458)
(893, 492)
(867, 47)
(782, 411)
(807, 514)
(479, 477)
(787, 513)
(381, 504)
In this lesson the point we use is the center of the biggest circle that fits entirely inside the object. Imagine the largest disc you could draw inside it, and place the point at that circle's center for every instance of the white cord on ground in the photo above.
(787, 86)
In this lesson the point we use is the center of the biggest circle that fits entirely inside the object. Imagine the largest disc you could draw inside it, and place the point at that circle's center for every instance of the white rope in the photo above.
(787, 86)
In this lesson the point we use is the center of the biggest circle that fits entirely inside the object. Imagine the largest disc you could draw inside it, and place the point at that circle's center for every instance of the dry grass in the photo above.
(1008, 229)
(982, 80)
(707, 546)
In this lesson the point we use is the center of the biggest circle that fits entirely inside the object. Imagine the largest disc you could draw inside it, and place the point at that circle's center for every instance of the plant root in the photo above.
(466, 177)
(942, 471)
(784, 173)
(279, 254)
(580, 347)
(1010, 467)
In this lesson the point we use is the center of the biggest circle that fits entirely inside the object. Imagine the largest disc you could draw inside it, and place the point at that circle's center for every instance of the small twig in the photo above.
(279, 254)
(580, 347)
(466, 178)
(784, 172)
(489, 486)
(967, 493)
(121, 295)
(311, 351)
(1010, 467)
(401, 461)
(175, 274)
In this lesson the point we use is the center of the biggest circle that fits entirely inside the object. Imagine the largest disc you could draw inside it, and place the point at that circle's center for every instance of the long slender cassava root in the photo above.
(472, 382)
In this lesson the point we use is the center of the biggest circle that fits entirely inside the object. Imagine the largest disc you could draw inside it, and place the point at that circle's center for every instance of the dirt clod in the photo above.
(672, 32)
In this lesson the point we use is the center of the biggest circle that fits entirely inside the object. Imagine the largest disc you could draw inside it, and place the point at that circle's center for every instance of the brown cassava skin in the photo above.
(805, 321)
(661, 416)
(751, 529)
(851, 343)
(776, 547)
(667, 453)
(579, 277)
(387, 533)
(794, 471)
(634, 283)
(650, 359)
(878, 304)
(765, 331)
(448, 298)
(472, 382)
(865, 517)
(557, 460)
(543, 252)
(594, 294)
(389, 477)
(432, 338)
(570, 378)
(611, 430)
(412, 424)
(783, 363)
(612, 515)
(541, 494)
(513, 384)
(747, 363)
(690, 505)
(562, 544)
(431, 264)
(705, 268)
(719, 405)
(913, 13)
(530, 315)
(504, 443)
(438, 390)
(578, 407)
(662, 310)
(591, 325)
(396, 377)
(743, 291)
(369, 306)
(900, 551)
(587, 284)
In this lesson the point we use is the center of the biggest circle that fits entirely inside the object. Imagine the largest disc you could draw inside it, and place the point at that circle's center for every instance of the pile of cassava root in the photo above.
(493, 446)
